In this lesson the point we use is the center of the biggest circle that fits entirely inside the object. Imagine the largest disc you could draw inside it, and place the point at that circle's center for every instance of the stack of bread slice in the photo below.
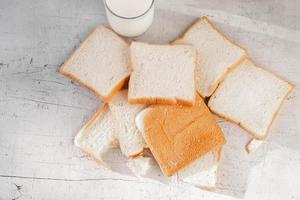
(163, 109)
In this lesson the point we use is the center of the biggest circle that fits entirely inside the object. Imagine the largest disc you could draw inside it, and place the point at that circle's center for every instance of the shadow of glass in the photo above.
(166, 27)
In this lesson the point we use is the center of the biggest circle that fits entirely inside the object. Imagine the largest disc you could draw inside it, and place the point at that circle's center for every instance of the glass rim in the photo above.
(135, 17)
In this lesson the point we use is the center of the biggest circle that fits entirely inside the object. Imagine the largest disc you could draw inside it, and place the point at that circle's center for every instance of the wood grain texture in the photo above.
(41, 111)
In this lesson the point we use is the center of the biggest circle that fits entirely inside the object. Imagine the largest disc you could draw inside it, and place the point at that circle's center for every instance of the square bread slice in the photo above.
(162, 74)
(130, 138)
(101, 63)
(98, 135)
(217, 55)
(202, 172)
(250, 97)
(178, 135)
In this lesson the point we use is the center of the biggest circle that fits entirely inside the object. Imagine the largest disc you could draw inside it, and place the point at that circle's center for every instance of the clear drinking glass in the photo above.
(129, 21)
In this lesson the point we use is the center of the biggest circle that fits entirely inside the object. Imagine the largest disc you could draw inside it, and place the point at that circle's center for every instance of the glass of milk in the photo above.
(129, 18)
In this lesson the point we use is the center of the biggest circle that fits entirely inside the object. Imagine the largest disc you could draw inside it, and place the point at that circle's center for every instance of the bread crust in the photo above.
(88, 124)
(228, 70)
(205, 18)
(140, 153)
(247, 146)
(231, 67)
(159, 100)
(99, 112)
(253, 134)
(166, 168)
(121, 83)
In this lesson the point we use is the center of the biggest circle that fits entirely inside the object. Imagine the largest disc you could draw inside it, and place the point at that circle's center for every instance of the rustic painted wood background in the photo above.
(41, 111)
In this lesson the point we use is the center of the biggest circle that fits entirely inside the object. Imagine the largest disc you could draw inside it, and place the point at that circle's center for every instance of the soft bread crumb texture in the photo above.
(98, 135)
(203, 171)
(130, 138)
(162, 74)
(250, 97)
(140, 165)
(101, 63)
(178, 135)
(217, 54)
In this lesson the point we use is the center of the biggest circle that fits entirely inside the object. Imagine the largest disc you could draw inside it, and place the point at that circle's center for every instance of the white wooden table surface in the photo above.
(41, 111)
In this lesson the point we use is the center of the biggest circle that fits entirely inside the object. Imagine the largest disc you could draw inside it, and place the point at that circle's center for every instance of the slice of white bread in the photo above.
(130, 138)
(253, 145)
(162, 74)
(203, 171)
(217, 54)
(101, 63)
(178, 135)
(98, 135)
(140, 165)
(200, 173)
(250, 97)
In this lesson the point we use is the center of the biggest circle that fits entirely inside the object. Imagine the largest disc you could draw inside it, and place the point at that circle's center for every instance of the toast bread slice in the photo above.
(130, 138)
(98, 135)
(162, 74)
(250, 97)
(178, 135)
(101, 63)
(218, 54)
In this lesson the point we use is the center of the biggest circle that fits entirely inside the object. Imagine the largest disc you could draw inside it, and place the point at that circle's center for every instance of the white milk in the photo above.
(129, 17)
